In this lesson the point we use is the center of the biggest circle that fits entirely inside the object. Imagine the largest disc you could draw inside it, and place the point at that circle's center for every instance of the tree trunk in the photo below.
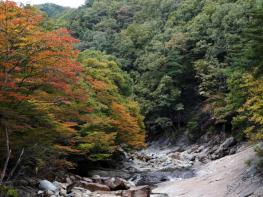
(8, 154)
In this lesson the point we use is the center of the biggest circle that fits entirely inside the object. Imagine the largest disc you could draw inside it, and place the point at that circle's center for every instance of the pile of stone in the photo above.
(176, 158)
(76, 186)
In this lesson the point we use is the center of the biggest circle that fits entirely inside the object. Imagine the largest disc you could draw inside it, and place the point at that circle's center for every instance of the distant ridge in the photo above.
(53, 10)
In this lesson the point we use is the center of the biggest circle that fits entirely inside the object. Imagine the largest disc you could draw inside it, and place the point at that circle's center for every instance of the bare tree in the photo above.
(16, 165)
(8, 155)
(8, 152)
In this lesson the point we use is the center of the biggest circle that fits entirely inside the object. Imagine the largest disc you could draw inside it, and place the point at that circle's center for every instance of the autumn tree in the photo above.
(114, 117)
(38, 78)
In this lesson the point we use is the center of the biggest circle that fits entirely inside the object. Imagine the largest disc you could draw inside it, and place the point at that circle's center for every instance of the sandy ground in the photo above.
(227, 177)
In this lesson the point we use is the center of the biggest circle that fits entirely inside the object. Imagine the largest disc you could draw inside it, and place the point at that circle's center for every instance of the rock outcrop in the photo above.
(227, 177)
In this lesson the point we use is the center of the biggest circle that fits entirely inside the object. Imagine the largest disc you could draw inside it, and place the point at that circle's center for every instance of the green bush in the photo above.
(7, 191)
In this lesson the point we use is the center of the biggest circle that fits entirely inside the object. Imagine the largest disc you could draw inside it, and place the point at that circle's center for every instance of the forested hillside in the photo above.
(56, 16)
(111, 75)
(196, 64)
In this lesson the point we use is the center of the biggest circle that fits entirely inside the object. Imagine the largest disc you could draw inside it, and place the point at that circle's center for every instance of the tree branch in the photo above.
(15, 167)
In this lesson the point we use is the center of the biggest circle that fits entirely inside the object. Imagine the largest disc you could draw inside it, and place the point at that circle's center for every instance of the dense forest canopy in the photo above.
(118, 68)
(193, 62)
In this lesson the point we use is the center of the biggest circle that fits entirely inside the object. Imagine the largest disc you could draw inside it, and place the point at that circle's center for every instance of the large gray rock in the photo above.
(117, 184)
(87, 179)
(224, 148)
(68, 180)
(97, 179)
(47, 186)
(228, 143)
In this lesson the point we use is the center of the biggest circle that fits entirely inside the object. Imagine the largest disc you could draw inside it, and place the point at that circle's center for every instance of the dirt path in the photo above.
(227, 177)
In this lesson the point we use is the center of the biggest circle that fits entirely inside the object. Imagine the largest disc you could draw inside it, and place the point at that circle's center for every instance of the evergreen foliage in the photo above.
(184, 56)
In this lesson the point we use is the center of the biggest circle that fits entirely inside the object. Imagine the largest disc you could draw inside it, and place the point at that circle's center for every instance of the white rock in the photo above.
(63, 192)
(46, 185)
(40, 192)
(68, 180)
(50, 192)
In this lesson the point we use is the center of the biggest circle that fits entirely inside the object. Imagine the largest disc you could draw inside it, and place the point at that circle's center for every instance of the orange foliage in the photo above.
(128, 127)
(66, 149)
(98, 85)
(39, 69)
(31, 58)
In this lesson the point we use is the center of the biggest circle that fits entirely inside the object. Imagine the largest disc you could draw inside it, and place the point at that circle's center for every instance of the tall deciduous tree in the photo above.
(114, 117)
(38, 78)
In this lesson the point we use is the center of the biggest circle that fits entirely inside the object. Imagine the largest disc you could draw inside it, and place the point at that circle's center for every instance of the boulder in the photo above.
(68, 180)
(191, 157)
(202, 157)
(223, 148)
(87, 179)
(49, 193)
(63, 192)
(47, 186)
(117, 184)
(97, 179)
(200, 149)
(40, 193)
(72, 178)
(232, 151)
(228, 143)
(78, 177)
(141, 191)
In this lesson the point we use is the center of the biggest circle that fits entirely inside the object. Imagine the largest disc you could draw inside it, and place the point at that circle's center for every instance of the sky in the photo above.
(69, 3)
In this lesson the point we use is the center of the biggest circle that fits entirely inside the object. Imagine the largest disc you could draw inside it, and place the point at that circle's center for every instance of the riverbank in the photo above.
(216, 166)
(230, 176)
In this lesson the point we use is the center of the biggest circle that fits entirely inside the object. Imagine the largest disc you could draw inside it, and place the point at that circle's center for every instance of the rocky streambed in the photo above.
(139, 173)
